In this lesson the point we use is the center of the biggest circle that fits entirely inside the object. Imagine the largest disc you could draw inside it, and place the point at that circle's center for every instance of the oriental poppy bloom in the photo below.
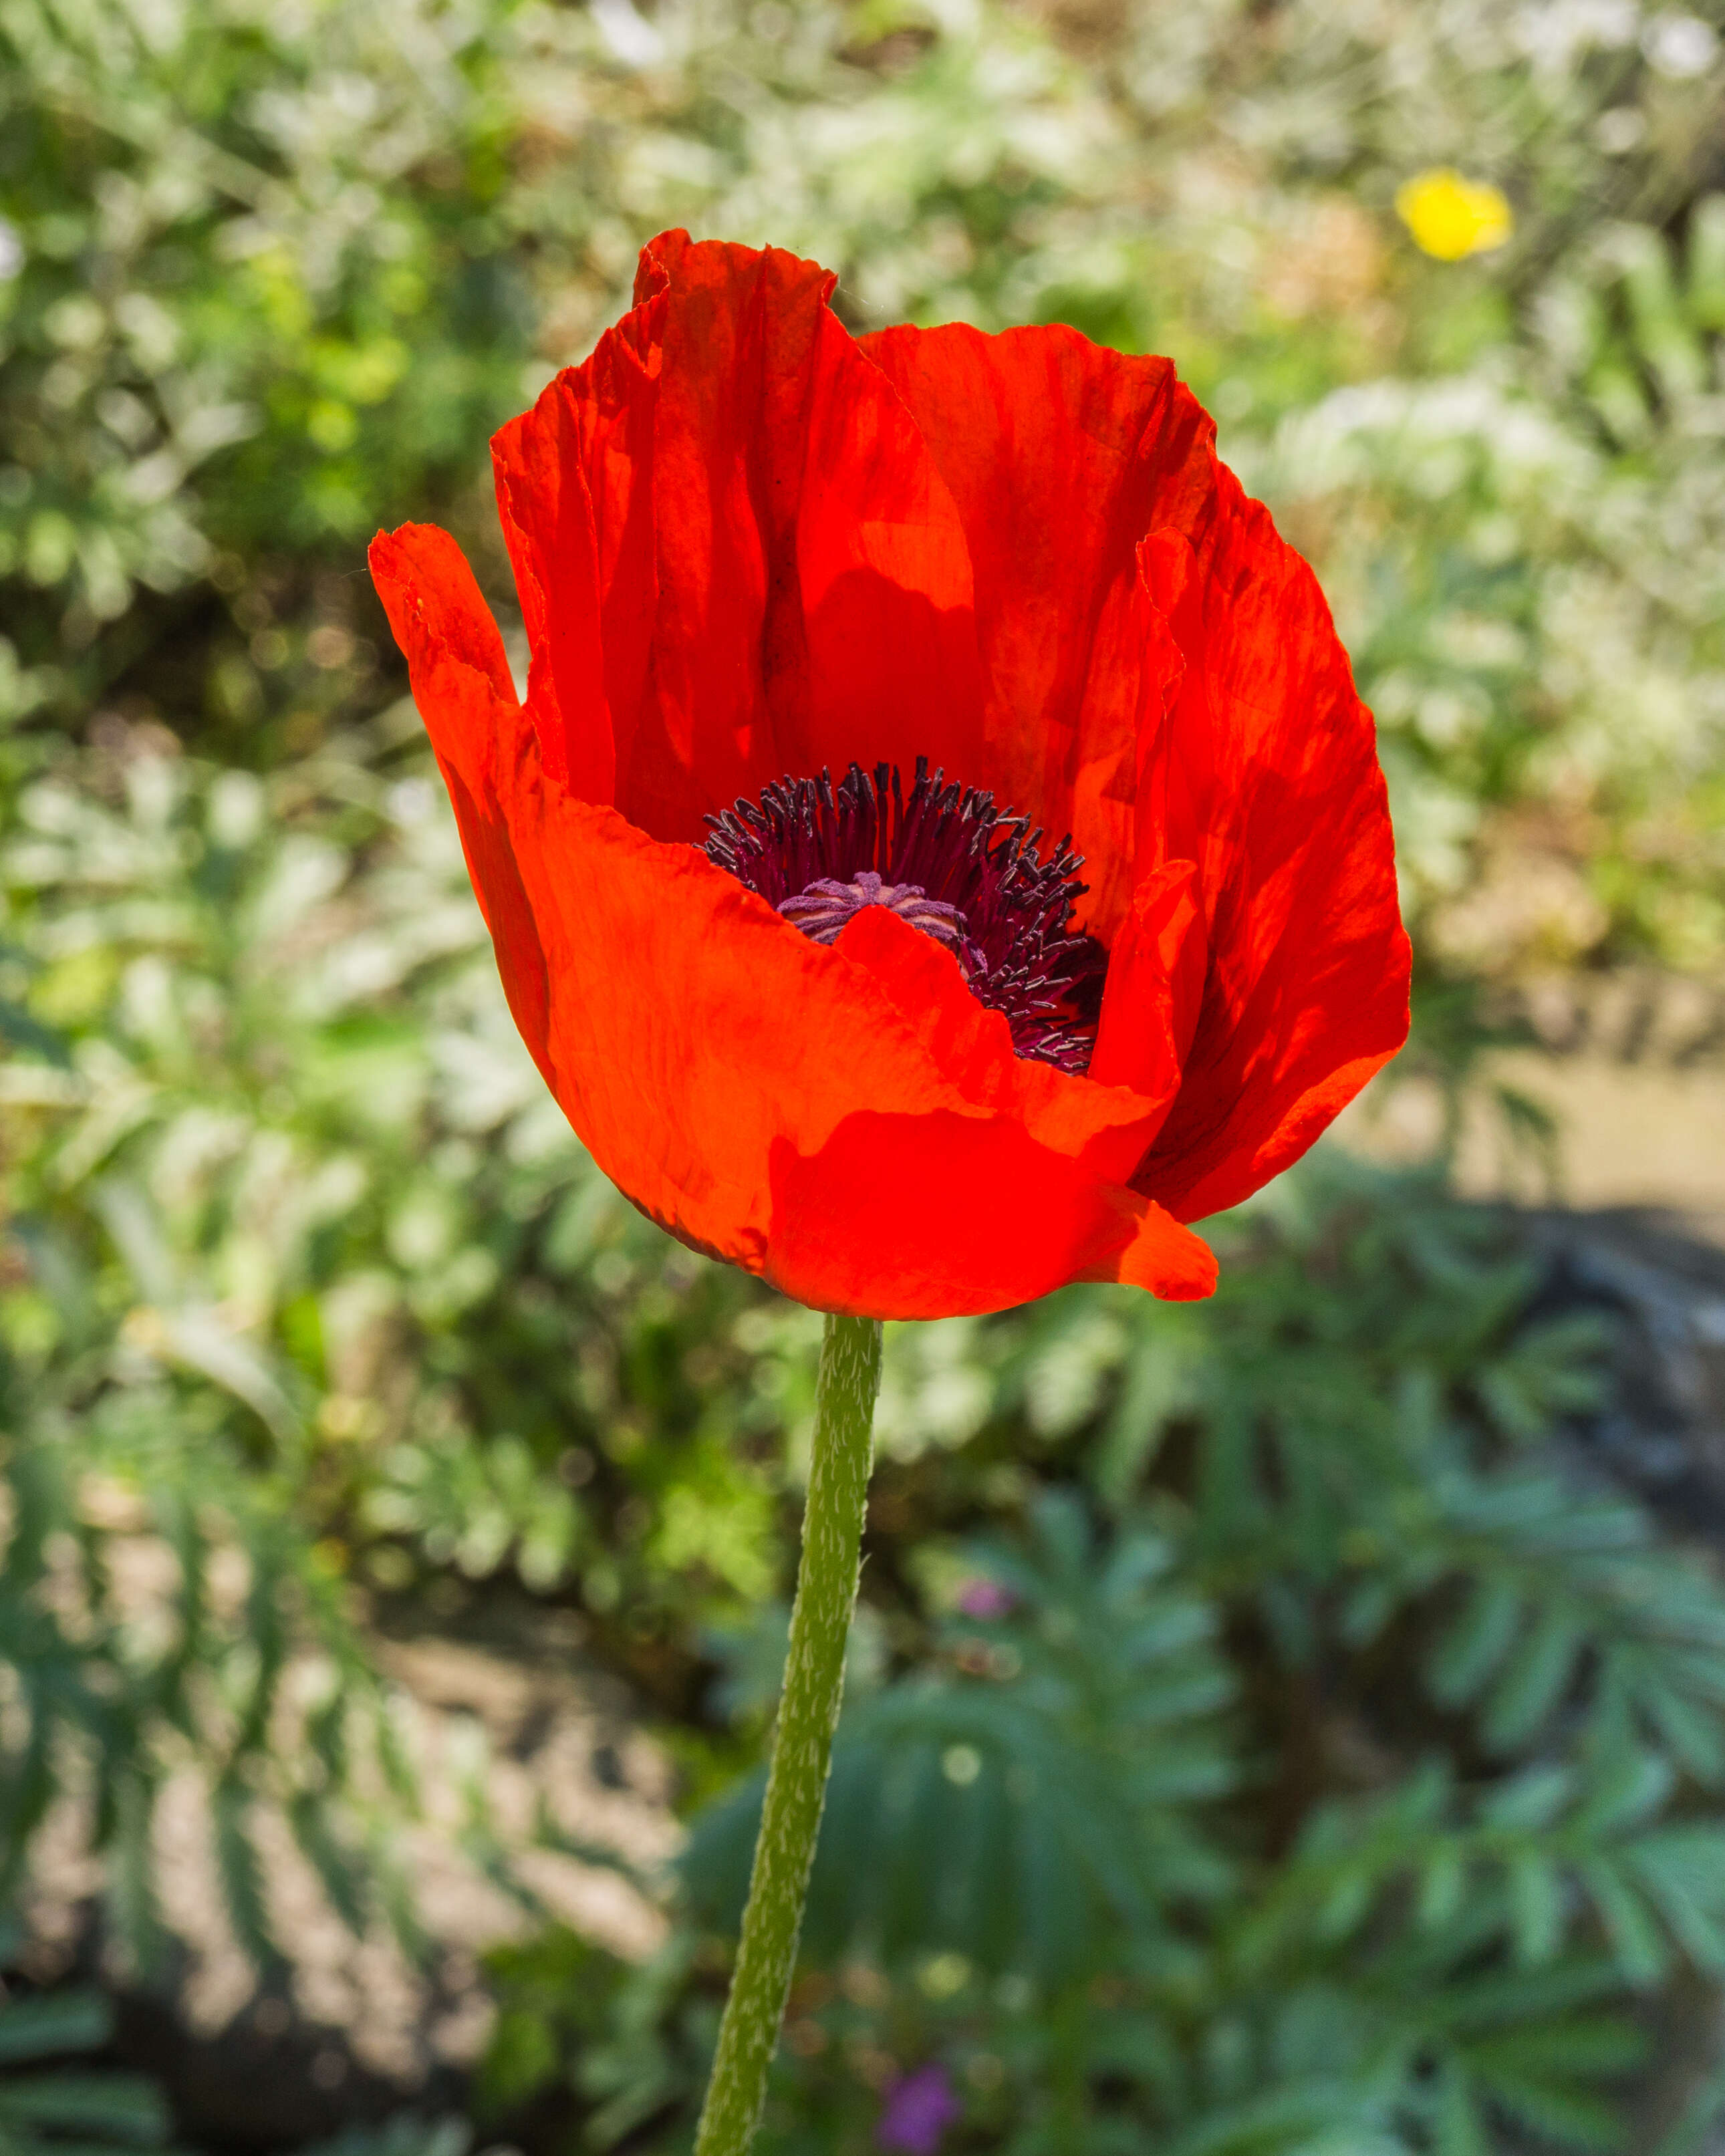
(940, 851)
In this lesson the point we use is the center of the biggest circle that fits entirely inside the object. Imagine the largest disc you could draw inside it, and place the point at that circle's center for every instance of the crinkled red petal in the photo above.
(1061, 456)
(739, 503)
(1163, 676)
(1267, 778)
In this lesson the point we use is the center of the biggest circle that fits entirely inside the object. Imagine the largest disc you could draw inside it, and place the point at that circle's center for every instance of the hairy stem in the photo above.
(797, 1784)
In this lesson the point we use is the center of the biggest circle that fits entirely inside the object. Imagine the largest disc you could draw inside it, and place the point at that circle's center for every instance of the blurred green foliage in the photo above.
(1333, 1765)
(48, 2103)
(1320, 1763)
(273, 274)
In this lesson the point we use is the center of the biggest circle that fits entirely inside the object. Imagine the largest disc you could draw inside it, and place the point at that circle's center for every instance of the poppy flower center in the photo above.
(947, 860)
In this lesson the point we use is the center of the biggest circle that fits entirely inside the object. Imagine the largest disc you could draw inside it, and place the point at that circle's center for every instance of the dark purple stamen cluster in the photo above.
(946, 860)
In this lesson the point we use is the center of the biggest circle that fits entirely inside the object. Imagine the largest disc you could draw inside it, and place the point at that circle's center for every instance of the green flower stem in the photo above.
(797, 1784)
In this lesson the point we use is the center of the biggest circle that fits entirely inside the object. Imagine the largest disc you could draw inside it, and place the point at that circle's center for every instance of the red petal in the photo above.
(1060, 457)
(1155, 985)
(547, 517)
(720, 1066)
(777, 570)
(461, 684)
(1106, 1128)
(1267, 776)
(946, 1214)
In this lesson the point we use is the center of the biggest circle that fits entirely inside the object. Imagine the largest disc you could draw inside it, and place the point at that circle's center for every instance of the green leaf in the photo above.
(39, 2026)
(119, 2106)
(1476, 1643)
(1535, 1679)
(242, 1875)
(1641, 1949)
(1536, 1907)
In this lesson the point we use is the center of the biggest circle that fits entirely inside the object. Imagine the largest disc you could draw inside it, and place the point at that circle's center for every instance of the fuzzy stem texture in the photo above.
(797, 1783)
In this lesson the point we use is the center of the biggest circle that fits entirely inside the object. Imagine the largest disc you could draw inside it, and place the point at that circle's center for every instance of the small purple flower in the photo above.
(983, 1599)
(917, 2112)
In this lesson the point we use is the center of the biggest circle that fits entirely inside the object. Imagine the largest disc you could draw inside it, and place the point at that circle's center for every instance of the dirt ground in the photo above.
(1629, 1067)
(352, 2030)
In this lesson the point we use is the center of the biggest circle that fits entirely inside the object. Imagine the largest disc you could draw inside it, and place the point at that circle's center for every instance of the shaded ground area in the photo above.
(1623, 1201)
(1660, 1286)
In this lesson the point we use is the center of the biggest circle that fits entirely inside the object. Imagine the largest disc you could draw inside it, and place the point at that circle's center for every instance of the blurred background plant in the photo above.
(1294, 1724)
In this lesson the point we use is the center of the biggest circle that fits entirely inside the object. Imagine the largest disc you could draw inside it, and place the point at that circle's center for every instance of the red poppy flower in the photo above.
(871, 1035)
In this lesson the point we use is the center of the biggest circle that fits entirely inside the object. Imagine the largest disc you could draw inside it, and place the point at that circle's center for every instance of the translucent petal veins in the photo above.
(950, 863)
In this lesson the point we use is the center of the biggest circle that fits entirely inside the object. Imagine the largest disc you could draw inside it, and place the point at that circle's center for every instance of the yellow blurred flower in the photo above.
(1451, 216)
